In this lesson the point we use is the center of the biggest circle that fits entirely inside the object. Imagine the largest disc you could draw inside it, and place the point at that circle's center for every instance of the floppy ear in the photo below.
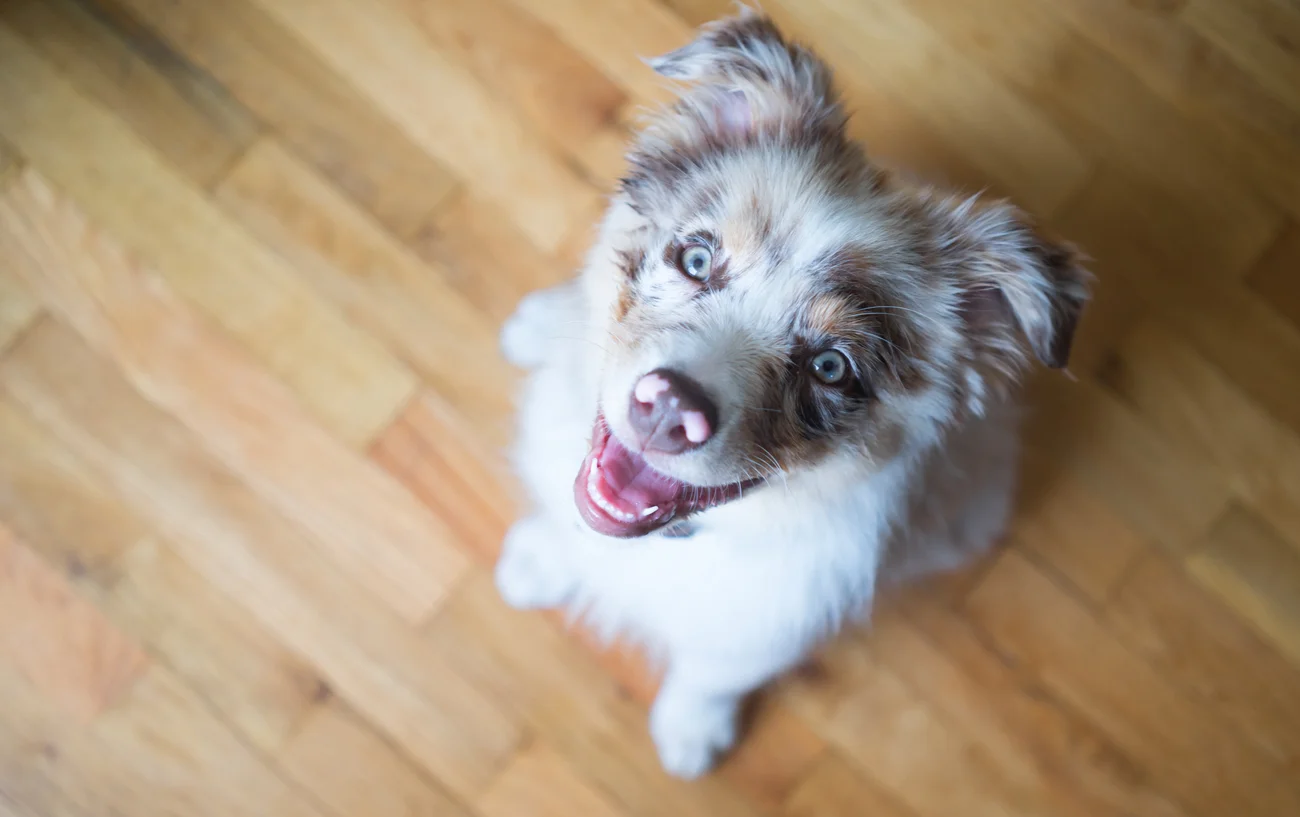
(750, 72)
(1014, 276)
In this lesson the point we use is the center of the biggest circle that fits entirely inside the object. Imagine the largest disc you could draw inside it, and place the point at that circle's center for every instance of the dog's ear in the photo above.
(750, 72)
(1013, 276)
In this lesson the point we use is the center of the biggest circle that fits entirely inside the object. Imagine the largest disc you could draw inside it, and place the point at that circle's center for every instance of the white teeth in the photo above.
(649, 511)
(593, 491)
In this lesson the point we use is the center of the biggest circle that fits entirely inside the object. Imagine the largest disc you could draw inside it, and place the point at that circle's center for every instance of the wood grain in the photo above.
(258, 430)
(260, 560)
(254, 256)
(58, 642)
(1202, 763)
(86, 151)
(179, 111)
(385, 56)
(160, 752)
(347, 765)
(317, 111)
(1244, 561)
(18, 307)
(376, 281)
(539, 783)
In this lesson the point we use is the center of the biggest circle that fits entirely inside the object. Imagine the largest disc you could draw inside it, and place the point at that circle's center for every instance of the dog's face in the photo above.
(767, 299)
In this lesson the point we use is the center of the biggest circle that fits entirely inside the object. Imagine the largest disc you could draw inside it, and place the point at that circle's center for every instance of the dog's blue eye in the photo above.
(830, 367)
(696, 261)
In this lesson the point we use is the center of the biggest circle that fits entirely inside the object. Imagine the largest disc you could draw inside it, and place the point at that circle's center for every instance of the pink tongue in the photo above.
(637, 484)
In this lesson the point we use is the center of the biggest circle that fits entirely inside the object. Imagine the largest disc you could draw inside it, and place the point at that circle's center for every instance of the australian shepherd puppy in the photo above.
(782, 377)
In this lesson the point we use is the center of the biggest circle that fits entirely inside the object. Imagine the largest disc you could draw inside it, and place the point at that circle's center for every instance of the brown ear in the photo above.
(1013, 274)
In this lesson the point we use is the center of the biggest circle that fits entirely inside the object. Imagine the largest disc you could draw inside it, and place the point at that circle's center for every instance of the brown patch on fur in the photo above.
(1062, 265)
(623, 305)
(1040, 283)
(776, 428)
(632, 263)
(830, 315)
(867, 309)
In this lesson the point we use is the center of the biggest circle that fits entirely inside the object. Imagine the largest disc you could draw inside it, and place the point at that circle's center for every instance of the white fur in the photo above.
(766, 578)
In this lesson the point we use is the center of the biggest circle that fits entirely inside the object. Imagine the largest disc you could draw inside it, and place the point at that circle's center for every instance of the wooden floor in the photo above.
(253, 254)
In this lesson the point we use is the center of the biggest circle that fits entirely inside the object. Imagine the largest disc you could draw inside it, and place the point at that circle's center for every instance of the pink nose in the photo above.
(670, 413)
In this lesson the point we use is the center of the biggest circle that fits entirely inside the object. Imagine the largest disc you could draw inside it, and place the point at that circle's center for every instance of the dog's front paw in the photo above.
(529, 331)
(531, 573)
(691, 733)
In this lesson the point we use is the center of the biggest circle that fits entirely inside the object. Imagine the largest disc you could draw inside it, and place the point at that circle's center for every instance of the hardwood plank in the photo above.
(1244, 562)
(10, 162)
(1274, 278)
(1257, 348)
(1195, 406)
(50, 501)
(57, 640)
(998, 131)
(557, 92)
(1258, 35)
(1038, 737)
(432, 450)
(344, 376)
(252, 555)
(260, 689)
(1066, 525)
(11, 808)
(779, 751)
(318, 113)
(485, 257)
(112, 556)
(347, 765)
(18, 307)
(366, 522)
(1082, 91)
(1203, 647)
(617, 37)
(837, 789)
(534, 670)
(159, 752)
(383, 55)
(918, 757)
(1248, 126)
(1159, 491)
(377, 283)
(181, 113)
(962, 724)
(1190, 752)
(539, 783)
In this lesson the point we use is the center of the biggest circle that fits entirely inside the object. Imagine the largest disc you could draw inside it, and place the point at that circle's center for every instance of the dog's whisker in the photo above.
(580, 340)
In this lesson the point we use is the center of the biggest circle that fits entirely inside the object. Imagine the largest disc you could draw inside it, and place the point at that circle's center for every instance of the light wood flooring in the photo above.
(253, 256)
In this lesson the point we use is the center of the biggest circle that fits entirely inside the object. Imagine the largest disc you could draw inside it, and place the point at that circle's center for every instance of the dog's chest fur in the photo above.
(776, 570)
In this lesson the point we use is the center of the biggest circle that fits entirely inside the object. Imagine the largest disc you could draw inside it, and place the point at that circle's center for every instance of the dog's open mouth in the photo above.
(619, 494)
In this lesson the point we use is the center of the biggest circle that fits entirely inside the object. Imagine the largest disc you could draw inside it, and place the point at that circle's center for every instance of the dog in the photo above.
(783, 378)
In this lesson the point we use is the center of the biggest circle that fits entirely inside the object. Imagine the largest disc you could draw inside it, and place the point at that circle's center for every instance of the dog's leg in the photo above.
(695, 718)
(541, 316)
(534, 570)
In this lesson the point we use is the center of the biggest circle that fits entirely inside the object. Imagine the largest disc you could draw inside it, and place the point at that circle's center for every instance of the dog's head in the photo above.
(768, 300)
